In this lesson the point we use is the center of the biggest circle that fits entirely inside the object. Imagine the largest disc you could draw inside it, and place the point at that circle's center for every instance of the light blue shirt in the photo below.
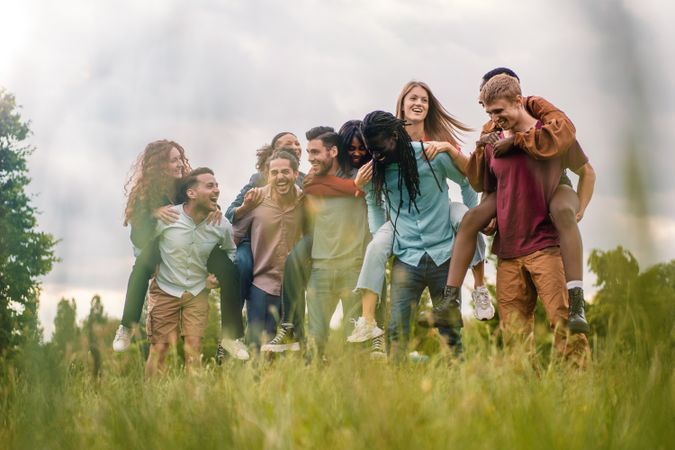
(429, 230)
(185, 248)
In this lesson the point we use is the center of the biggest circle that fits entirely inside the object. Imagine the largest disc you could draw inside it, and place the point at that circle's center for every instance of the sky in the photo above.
(99, 80)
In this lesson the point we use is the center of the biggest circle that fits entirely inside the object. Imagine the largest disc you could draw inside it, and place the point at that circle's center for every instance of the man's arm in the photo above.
(226, 240)
(376, 214)
(585, 187)
(452, 172)
(241, 227)
(555, 136)
(231, 214)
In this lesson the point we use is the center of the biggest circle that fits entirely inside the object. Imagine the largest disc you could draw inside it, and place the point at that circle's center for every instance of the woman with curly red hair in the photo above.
(152, 190)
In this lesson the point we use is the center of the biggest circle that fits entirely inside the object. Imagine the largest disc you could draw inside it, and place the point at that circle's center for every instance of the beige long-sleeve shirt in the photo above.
(274, 231)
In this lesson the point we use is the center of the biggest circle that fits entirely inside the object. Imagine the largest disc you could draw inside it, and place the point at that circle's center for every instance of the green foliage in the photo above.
(25, 252)
(636, 309)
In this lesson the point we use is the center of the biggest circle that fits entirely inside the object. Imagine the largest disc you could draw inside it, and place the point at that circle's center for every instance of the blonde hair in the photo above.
(500, 86)
(439, 124)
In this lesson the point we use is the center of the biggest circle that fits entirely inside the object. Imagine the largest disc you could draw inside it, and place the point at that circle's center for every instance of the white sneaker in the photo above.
(364, 330)
(235, 348)
(482, 306)
(122, 339)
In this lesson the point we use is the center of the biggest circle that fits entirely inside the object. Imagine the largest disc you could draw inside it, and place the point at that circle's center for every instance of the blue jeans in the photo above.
(262, 312)
(244, 262)
(407, 284)
(380, 248)
(325, 288)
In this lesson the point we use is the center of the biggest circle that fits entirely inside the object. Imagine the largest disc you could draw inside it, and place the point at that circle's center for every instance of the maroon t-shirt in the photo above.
(524, 189)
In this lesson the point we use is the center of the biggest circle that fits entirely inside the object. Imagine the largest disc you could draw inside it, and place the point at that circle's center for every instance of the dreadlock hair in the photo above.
(439, 124)
(498, 71)
(383, 124)
(349, 130)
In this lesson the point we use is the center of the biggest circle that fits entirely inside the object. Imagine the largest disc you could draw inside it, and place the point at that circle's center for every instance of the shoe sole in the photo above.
(377, 333)
(294, 347)
(578, 328)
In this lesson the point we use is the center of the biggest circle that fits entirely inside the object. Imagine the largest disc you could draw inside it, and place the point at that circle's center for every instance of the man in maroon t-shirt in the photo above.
(526, 243)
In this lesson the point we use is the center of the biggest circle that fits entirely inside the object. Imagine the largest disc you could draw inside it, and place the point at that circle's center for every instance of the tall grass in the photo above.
(492, 399)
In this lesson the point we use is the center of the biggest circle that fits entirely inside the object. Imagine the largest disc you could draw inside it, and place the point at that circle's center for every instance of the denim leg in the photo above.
(296, 274)
(407, 284)
(351, 300)
(256, 311)
(227, 273)
(244, 262)
(436, 277)
(144, 268)
(321, 302)
(272, 315)
(375, 260)
(457, 211)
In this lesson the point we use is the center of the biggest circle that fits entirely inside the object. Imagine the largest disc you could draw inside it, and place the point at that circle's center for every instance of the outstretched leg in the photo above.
(144, 268)
(563, 207)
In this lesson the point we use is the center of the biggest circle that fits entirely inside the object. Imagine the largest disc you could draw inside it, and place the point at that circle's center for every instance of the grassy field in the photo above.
(492, 399)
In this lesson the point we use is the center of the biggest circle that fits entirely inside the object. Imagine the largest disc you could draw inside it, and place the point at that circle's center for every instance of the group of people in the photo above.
(292, 243)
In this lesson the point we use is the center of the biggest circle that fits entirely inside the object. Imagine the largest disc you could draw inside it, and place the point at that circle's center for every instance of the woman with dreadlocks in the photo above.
(154, 184)
(427, 121)
(412, 187)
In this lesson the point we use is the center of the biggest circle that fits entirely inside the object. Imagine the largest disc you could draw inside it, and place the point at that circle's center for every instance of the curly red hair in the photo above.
(149, 182)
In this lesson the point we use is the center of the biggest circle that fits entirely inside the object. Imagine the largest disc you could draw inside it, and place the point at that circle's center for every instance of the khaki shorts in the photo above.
(167, 313)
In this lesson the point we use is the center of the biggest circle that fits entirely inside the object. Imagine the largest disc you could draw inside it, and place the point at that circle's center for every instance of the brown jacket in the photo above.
(552, 140)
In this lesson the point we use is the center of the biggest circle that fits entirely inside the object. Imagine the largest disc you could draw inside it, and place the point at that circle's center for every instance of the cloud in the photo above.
(100, 80)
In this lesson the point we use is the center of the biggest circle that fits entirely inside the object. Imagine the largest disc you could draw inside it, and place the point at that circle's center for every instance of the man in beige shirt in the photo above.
(275, 224)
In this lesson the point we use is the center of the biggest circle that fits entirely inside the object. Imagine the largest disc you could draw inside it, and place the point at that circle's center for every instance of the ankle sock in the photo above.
(575, 284)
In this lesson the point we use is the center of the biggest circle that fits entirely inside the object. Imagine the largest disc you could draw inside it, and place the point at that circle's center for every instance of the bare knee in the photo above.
(563, 215)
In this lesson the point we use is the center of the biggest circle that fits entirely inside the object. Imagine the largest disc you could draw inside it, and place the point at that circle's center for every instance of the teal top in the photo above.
(429, 230)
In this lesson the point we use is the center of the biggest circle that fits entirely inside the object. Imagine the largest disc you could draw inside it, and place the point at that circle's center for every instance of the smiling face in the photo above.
(358, 154)
(281, 176)
(204, 193)
(289, 140)
(416, 105)
(321, 158)
(383, 147)
(504, 113)
(174, 166)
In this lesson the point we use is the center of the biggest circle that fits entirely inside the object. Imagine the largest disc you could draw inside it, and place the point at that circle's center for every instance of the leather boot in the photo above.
(446, 313)
(577, 319)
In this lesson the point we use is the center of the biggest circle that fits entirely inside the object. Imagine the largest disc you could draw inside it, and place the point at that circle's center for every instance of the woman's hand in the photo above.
(488, 139)
(211, 281)
(503, 146)
(364, 175)
(166, 214)
(491, 227)
(214, 217)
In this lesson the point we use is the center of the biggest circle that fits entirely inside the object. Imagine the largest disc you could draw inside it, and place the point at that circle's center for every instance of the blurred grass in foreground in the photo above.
(491, 400)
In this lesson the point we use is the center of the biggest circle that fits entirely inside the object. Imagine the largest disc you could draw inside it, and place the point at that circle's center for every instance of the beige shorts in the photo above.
(167, 314)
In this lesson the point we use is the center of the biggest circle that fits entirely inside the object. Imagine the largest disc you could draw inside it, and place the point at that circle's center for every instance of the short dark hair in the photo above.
(499, 71)
(326, 135)
(189, 181)
(283, 153)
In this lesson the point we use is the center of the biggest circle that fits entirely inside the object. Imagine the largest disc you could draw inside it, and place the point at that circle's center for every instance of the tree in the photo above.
(635, 309)
(25, 253)
(66, 332)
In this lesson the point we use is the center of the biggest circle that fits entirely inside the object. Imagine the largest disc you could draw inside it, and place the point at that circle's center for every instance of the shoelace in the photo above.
(280, 335)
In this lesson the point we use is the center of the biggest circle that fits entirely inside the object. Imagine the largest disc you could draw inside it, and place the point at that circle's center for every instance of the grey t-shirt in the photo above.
(341, 231)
